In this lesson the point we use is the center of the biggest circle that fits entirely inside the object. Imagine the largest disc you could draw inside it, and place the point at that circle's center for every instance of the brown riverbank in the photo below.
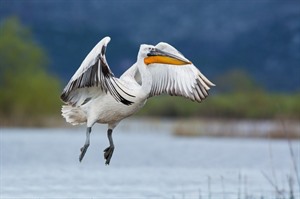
(238, 128)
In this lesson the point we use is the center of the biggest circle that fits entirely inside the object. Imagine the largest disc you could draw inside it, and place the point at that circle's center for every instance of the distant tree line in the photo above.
(236, 96)
(27, 91)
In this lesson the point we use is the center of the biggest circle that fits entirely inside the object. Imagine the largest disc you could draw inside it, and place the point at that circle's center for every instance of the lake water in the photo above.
(148, 162)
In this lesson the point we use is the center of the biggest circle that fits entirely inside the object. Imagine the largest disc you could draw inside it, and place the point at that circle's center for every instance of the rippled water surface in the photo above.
(147, 163)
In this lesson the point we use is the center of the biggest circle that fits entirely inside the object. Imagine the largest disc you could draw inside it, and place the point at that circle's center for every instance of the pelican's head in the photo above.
(162, 53)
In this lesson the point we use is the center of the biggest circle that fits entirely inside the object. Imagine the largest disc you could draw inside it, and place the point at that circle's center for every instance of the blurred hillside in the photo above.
(260, 37)
(28, 92)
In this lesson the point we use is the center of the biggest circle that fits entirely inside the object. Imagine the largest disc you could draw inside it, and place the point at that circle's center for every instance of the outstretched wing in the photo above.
(95, 72)
(178, 80)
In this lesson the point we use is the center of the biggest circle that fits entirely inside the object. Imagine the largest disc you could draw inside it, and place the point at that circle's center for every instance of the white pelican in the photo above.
(95, 95)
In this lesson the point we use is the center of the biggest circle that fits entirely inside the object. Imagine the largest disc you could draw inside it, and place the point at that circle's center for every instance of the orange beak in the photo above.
(162, 57)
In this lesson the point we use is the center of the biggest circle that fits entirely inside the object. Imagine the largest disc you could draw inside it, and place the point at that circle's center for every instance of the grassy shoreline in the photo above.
(253, 105)
(274, 129)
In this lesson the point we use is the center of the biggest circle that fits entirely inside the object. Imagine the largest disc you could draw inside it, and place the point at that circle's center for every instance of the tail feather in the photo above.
(73, 115)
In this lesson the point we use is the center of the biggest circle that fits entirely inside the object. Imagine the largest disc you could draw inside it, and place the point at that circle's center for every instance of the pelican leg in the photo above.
(86, 144)
(108, 152)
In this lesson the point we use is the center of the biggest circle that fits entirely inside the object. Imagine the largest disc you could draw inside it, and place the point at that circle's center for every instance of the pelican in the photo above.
(95, 95)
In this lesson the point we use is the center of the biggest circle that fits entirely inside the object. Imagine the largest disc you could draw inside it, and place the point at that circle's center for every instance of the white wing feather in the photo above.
(94, 77)
(183, 80)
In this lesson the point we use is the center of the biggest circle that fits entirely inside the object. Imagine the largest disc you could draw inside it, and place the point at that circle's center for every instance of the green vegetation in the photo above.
(236, 96)
(27, 91)
(232, 105)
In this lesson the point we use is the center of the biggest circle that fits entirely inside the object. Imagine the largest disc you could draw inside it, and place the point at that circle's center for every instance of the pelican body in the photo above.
(95, 95)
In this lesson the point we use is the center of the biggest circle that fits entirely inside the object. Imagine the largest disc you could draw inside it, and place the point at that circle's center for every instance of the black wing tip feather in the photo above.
(126, 102)
(63, 97)
(105, 69)
(91, 78)
(103, 50)
(66, 98)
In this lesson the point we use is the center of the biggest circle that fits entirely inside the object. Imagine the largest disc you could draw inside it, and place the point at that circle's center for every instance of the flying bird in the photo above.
(95, 95)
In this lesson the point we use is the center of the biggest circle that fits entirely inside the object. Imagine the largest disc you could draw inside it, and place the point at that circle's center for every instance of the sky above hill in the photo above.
(261, 37)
